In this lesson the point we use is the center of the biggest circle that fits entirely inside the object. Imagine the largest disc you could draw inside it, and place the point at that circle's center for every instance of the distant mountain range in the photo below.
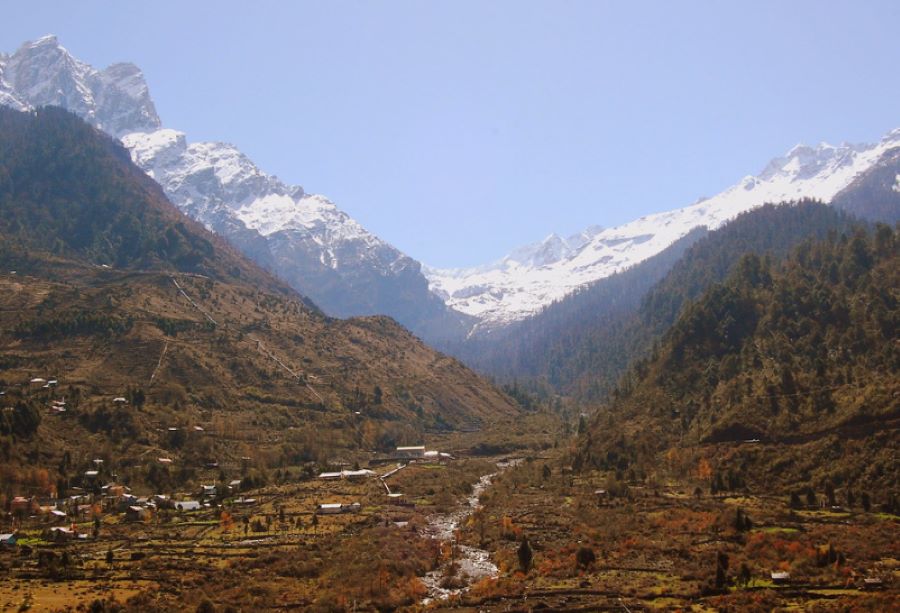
(532, 277)
(581, 345)
(326, 255)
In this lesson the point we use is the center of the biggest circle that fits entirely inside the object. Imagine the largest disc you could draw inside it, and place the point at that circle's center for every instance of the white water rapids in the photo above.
(472, 564)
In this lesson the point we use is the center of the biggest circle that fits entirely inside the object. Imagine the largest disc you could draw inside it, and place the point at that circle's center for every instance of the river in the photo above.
(472, 564)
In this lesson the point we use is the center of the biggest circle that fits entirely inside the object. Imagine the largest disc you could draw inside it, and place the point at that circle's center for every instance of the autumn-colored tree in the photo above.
(704, 470)
(477, 520)
(506, 527)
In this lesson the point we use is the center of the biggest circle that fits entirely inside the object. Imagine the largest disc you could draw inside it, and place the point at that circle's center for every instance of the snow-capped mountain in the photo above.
(346, 270)
(532, 277)
(43, 73)
(304, 238)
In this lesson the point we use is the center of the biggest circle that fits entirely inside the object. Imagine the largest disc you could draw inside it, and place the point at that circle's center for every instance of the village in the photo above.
(153, 485)
(59, 545)
(79, 513)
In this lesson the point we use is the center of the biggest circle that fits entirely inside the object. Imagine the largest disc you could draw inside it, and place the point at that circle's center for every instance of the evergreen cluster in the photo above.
(581, 345)
(69, 190)
(74, 322)
(786, 353)
(21, 419)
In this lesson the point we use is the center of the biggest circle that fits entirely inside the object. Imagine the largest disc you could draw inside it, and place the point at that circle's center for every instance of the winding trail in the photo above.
(159, 363)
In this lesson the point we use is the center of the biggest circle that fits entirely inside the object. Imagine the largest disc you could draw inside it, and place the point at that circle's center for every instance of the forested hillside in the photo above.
(69, 190)
(110, 292)
(783, 374)
(581, 345)
(546, 349)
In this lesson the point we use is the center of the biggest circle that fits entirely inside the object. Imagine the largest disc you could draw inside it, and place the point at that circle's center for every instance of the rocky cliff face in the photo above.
(43, 73)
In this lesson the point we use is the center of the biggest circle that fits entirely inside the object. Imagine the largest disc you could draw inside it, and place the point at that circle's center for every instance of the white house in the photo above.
(411, 451)
(333, 508)
(187, 505)
(357, 474)
(780, 577)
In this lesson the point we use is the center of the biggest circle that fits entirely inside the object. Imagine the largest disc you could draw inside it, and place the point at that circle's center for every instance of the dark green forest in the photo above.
(70, 192)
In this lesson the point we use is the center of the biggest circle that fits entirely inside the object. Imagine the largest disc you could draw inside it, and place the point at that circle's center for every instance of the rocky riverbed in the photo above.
(469, 564)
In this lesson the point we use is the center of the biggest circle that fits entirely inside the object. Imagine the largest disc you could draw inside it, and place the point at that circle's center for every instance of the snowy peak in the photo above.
(805, 162)
(205, 178)
(123, 100)
(162, 147)
(305, 239)
(8, 95)
(222, 188)
(550, 250)
(533, 276)
(43, 73)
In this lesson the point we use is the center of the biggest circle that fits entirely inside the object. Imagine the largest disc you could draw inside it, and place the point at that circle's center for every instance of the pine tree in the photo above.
(721, 569)
(525, 555)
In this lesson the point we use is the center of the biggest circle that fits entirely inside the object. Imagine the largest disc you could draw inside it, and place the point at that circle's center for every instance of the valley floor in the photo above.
(267, 549)
(595, 543)
(599, 544)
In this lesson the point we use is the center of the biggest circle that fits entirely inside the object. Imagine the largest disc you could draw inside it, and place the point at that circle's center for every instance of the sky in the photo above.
(459, 130)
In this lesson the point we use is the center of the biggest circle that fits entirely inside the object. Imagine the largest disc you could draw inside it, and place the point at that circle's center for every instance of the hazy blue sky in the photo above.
(459, 130)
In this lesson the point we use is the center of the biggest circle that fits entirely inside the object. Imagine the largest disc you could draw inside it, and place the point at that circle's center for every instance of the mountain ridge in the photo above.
(580, 345)
(303, 238)
(326, 255)
(509, 289)
(115, 289)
